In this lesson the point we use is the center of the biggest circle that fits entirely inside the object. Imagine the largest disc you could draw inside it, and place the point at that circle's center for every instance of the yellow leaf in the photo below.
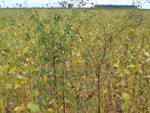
(23, 82)
(1, 105)
(12, 70)
(50, 111)
(16, 86)
(32, 69)
(30, 60)
(37, 93)
(75, 59)
(19, 109)
(146, 54)
(43, 101)
(60, 92)
(116, 65)
(83, 77)
(68, 101)
(57, 76)
(19, 76)
(45, 78)
(27, 85)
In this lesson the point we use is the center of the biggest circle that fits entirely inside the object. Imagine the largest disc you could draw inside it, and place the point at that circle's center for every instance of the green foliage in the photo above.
(33, 107)
(126, 102)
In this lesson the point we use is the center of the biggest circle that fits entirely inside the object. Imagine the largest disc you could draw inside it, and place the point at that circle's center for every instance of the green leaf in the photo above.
(125, 105)
(2, 77)
(8, 86)
(102, 110)
(33, 107)
(2, 68)
(126, 97)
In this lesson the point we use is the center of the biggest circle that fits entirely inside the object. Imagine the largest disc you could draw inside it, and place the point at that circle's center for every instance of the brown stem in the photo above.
(98, 96)
(63, 71)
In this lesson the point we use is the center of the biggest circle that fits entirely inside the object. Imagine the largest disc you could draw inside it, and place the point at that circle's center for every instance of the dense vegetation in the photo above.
(115, 6)
(74, 60)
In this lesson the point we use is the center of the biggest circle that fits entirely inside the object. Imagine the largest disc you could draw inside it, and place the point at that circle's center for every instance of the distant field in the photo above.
(74, 61)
